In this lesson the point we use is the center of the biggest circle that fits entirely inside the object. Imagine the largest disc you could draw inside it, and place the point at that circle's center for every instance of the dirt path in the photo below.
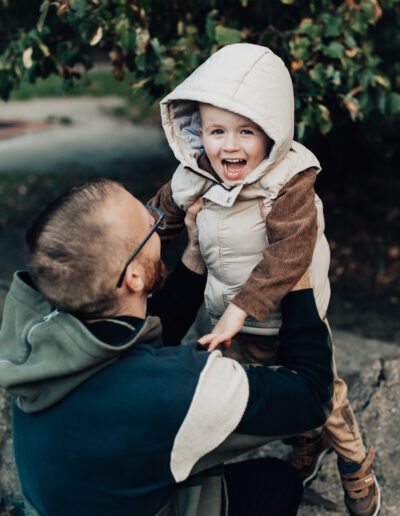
(85, 134)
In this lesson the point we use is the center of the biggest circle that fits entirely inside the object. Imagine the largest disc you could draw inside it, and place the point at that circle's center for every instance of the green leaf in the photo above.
(382, 81)
(382, 103)
(393, 103)
(127, 41)
(301, 129)
(334, 50)
(80, 6)
(125, 35)
(226, 36)
(333, 24)
(44, 8)
(211, 23)
(350, 41)
(309, 27)
(317, 75)
(155, 44)
(139, 84)
(324, 119)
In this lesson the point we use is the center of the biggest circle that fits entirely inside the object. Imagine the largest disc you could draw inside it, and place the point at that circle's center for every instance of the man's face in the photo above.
(130, 221)
(234, 144)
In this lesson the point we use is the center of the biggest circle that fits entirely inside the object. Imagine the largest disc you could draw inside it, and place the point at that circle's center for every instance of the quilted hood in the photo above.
(247, 79)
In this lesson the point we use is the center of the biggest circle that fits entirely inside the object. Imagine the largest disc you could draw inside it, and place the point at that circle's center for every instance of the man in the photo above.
(113, 418)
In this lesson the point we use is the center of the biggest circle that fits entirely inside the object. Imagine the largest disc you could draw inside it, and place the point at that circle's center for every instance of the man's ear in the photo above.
(201, 132)
(135, 277)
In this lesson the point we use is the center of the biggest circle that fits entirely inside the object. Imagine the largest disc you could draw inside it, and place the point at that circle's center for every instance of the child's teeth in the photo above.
(233, 167)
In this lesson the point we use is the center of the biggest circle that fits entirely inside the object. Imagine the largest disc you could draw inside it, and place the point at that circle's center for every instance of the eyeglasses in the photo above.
(159, 223)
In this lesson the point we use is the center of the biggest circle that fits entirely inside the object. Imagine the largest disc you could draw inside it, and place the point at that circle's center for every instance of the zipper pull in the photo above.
(51, 315)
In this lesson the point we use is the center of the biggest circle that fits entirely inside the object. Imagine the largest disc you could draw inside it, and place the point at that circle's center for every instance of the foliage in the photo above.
(94, 83)
(333, 49)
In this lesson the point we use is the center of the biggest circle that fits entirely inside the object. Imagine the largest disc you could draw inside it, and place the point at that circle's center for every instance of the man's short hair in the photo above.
(73, 256)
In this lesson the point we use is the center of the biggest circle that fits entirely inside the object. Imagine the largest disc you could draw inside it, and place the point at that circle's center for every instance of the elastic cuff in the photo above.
(299, 308)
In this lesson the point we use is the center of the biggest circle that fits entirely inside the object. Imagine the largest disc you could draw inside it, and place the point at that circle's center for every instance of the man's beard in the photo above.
(156, 272)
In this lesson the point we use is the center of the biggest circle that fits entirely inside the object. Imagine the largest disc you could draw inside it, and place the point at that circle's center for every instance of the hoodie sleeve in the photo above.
(296, 395)
(174, 216)
(177, 303)
(292, 232)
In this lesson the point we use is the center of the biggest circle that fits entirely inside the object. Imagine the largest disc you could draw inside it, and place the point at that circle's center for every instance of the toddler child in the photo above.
(230, 124)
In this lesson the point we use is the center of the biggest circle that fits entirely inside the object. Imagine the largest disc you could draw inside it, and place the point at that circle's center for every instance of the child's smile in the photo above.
(234, 144)
(233, 168)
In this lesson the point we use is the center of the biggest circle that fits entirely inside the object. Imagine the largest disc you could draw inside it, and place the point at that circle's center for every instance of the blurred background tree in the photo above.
(340, 53)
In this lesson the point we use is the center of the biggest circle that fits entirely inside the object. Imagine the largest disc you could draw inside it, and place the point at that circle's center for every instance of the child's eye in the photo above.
(217, 131)
(247, 131)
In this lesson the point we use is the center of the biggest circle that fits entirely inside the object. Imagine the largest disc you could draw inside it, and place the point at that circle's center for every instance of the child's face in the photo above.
(234, 144)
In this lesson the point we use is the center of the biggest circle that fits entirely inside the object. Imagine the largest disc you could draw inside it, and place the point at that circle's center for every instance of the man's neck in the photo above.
(135, 306)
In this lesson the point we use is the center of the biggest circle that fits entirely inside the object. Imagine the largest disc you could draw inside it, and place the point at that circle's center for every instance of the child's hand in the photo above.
(227, 327)
(190, 221)
(191, 257)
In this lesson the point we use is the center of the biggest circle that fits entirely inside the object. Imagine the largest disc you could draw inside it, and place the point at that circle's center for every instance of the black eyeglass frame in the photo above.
(157, 223)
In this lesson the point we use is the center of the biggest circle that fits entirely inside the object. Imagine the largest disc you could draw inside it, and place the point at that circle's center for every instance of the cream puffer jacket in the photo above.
(252, 81)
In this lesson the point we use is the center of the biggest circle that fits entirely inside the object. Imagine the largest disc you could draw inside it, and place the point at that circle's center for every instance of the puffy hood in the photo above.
(247, 79)
(45, 354)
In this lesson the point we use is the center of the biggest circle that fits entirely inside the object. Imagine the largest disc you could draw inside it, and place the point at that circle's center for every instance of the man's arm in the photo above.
(236, 409)
(293, 397)
(179, 300)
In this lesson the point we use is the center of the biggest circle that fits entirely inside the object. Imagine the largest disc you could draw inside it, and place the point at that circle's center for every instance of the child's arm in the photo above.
(292, 232)
(174, 216)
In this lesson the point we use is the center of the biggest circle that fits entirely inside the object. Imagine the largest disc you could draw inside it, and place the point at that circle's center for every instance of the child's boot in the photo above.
(308, 454)
(362, 493)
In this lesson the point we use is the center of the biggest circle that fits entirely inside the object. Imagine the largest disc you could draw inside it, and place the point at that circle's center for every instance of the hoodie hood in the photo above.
(45, 354)
(247, 79)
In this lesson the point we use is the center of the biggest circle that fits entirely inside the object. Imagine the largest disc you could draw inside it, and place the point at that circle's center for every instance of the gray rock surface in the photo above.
(376, 400)
(371, 367)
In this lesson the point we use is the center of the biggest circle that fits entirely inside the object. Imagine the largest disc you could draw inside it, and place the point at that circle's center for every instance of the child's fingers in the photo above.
(198, 204)
(206, 339)
(194, 208)
(263, 207)
(214, 340)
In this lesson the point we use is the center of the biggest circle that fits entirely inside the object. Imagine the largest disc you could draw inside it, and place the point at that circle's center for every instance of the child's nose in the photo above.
(231, 142)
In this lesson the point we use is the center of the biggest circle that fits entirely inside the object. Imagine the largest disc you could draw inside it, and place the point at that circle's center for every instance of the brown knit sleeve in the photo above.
(292, 232)
(174, 216)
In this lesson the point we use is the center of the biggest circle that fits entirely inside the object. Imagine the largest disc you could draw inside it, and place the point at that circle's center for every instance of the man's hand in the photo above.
(227, 327)
(191, 257)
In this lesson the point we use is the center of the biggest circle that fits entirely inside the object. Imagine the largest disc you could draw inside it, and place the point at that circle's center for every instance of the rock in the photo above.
(376, 401)
(10, 500)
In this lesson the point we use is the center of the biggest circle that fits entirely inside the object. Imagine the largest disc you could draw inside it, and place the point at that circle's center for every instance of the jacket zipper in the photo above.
(45, 319)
